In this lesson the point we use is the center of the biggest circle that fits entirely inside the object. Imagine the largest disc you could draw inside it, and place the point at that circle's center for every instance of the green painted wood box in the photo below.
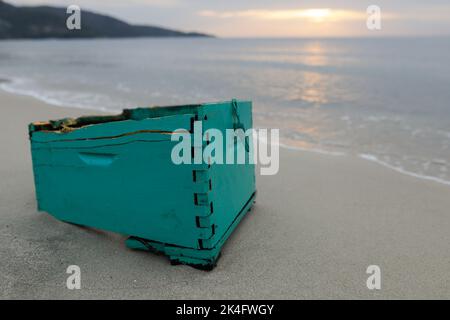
(116, 173)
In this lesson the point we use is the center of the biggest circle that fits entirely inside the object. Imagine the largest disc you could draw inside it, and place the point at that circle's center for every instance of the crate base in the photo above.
(204, 259)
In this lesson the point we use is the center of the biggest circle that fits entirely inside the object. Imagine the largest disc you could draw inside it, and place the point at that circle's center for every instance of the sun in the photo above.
(316, 15)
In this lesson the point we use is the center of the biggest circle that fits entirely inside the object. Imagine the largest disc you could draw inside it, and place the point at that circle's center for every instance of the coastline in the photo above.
(315, 228)
(84, 109)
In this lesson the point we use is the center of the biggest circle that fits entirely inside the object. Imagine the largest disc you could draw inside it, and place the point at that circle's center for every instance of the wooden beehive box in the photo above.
(116, 173)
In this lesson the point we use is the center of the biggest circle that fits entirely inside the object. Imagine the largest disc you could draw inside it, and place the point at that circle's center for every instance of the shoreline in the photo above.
(49, 101)
(364, 156)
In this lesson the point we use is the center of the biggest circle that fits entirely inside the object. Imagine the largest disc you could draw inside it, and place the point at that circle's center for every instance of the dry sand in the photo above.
(316, 227)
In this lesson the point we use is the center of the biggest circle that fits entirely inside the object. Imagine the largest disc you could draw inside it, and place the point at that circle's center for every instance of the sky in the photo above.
(276, 18)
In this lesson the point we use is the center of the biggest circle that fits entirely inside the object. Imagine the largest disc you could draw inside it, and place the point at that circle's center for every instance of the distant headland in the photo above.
(37, 22)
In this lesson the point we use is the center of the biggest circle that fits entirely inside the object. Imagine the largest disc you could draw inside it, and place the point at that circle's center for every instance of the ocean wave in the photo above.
(368, 157)
(373, 158)
(21, 86)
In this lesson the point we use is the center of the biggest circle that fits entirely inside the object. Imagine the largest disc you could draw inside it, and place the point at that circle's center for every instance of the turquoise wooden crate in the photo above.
(116, 173)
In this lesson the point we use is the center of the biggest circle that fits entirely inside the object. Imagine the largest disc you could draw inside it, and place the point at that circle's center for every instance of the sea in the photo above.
(385, 100)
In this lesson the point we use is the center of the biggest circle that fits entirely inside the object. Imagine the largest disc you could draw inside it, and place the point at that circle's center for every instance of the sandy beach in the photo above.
(315, 228)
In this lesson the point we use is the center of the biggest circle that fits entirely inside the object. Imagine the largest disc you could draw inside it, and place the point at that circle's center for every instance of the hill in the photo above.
(50, 22)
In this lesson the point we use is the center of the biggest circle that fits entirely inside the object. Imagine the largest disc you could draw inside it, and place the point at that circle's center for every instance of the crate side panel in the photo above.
(232, 185)
(96, 143)
(133, 189)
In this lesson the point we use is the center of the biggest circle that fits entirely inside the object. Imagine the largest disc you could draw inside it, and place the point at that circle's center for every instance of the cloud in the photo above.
(314, 15)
